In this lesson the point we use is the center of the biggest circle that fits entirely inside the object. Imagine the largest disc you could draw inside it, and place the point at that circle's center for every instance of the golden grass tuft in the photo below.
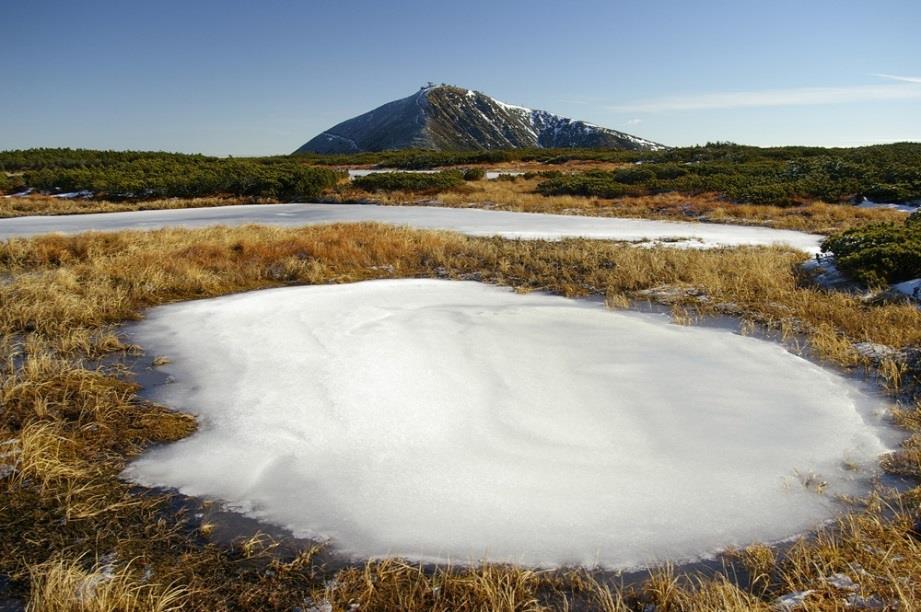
(396, 585)
(670, 592)
(63, 585)
(833, 346)
(46, 457)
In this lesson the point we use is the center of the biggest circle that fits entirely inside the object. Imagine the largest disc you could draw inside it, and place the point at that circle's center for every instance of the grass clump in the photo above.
(64, 586)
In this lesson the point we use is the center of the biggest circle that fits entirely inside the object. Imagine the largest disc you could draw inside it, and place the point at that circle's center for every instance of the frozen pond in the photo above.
(491, 175)
(359, 172)
(474, 222)
(906, 207)
(445, 420)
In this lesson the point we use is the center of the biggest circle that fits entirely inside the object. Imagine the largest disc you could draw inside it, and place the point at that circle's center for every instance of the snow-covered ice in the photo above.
(491, 175)
(359, 172)
(454, 420)
(73, 195)
(907, 207)
(471, 221)
(911, 288)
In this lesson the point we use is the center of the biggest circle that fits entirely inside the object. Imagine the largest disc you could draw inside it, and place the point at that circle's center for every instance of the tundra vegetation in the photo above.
(150, 176)
(74, 536)
(779, 176)
(774, 175)
(411, 181)
(879, 253)
(804, 188)
(813, 188)
(520, 195)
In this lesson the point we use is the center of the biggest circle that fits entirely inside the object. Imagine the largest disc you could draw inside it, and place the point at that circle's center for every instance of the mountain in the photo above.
(451, 118)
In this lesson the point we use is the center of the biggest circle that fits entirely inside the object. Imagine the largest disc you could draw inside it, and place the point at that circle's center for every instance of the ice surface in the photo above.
(359, 172)
(475, 222)
(911, 288)
(492, 175)
(453, 420)
(908, 207)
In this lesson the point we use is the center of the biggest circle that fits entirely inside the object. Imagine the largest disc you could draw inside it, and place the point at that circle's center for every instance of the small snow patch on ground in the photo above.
(492, 175)
(911, 288)
(842, 582)
(791, 601)
(73, 195)
(907, 208)
(20, 194)
(859, 602)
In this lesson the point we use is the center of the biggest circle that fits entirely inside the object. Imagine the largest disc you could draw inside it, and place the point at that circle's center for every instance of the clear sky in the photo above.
(230, 77)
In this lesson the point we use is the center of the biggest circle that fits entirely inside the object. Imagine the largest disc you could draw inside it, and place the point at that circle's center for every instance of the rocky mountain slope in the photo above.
(451, 118)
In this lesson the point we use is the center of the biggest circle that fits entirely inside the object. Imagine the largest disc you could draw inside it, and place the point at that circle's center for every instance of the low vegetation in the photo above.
(149, 176)
(773, 175)
(799, 188)
(521, 196)
(74, 536)
(782, 177)
(474, 174)
(879, 254)
(413, 182)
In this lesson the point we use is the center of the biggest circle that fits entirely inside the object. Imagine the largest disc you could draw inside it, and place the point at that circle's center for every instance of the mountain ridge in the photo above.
(445, 117)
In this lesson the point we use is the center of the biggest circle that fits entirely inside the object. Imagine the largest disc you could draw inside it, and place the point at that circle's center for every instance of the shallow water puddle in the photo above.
(445, 420)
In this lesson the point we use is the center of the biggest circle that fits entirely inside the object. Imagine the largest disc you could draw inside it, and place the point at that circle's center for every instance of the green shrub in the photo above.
(10, 183)
(410, 181)
(899, 192)
(130, 175)
(597, 184)
(781, 176)
(634, 176)
(880, 253)
(668, 171)
(474, 174)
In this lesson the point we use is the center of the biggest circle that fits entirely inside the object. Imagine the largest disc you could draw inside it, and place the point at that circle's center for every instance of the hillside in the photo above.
(451, 118)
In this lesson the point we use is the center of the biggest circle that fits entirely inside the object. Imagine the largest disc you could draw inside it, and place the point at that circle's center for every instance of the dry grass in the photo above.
(35, 204)
(395, 585)
(68, 429)
(520, 196)
(67, 586)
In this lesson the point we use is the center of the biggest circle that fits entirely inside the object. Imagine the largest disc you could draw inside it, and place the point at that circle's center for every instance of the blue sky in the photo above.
(240, 78)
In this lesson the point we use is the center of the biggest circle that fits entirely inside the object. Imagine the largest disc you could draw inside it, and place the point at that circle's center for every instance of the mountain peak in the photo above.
(447, 117)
